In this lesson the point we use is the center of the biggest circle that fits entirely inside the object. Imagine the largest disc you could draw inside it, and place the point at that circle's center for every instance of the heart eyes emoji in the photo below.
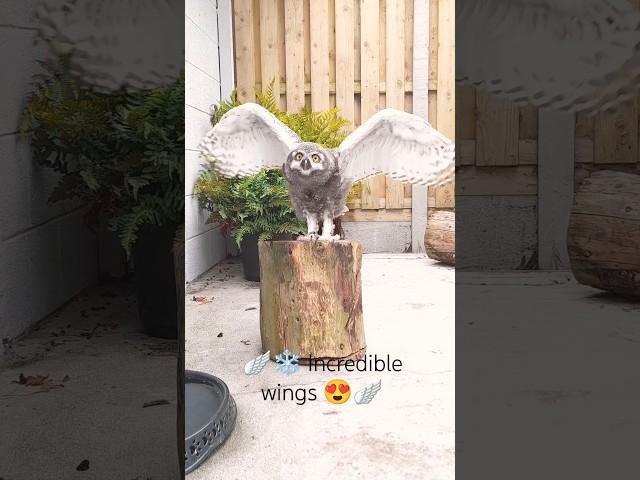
(337, 391)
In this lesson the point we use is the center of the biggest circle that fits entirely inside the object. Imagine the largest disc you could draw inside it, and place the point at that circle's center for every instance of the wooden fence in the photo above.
(357, 55)
(520, 160)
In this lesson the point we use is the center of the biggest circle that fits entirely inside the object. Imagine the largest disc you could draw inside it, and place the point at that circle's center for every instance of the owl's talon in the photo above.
(309, 237)
(330, 238)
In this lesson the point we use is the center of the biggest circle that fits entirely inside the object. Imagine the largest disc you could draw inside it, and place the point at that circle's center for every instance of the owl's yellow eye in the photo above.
(315, 157)
(299, 156)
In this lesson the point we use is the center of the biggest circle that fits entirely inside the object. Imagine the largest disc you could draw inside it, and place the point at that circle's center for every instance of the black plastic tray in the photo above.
(210, 416)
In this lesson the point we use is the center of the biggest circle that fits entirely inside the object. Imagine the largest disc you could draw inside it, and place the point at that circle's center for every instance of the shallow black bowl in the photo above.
(210, 416)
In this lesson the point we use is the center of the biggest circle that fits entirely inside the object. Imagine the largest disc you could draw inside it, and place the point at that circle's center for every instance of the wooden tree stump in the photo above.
(440, 236)
(311, 299)
(604, 233)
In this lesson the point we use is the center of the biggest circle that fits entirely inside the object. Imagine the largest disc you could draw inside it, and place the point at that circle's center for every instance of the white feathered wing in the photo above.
(247, 139)
(115, 43)
(255, 366)
(574, 55)
(400, 145)
(365, 395)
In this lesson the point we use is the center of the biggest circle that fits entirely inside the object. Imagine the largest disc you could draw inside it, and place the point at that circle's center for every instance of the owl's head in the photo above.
(311, 159)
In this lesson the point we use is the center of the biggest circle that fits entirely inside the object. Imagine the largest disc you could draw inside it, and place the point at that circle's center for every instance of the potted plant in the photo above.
(251, 209)
(122, 155)
(257, 207)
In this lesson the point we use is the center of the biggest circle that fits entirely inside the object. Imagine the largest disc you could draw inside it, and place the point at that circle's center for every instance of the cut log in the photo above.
(604, 233)
(311, 299)
(440, 236)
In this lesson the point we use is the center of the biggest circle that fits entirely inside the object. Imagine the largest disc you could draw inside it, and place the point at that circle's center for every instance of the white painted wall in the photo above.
(46, 255)
(207, 47)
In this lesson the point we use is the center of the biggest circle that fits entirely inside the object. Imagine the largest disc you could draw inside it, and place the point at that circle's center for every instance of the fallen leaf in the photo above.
(83, 466)
(220, 335)
(41, 381)
(250, 308)
(200, 300)
(246, 342)
(32, 380)
(66, 378)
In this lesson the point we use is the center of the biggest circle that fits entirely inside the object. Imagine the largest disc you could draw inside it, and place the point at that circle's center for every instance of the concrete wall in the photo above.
(205, 245)
(380, 237)
(46, 256)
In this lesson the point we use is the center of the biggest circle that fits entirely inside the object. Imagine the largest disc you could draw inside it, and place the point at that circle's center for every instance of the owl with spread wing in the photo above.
(403, 146)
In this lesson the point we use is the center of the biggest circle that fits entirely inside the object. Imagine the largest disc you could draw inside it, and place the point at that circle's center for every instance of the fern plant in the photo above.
(121, 154)
(259, 204)
(256, 205)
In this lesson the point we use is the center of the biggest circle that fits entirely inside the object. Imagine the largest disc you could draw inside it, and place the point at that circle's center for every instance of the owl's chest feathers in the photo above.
(312, 195)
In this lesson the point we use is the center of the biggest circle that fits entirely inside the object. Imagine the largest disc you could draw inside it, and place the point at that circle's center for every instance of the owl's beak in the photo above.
(305, 164)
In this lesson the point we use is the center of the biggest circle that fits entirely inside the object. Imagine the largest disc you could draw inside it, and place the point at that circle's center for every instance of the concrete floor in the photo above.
(108, 371)
(406, 432)
(548, 384)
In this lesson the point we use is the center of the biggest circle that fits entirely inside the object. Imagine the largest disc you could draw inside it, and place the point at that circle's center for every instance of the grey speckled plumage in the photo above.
(249, 138)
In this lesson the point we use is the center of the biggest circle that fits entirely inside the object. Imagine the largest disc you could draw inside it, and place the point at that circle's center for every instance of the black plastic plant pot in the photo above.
(209, 417)
(154, 274)
(249, 255)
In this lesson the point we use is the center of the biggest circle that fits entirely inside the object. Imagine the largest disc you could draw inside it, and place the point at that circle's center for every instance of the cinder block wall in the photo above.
(205, 245)
(46, 256)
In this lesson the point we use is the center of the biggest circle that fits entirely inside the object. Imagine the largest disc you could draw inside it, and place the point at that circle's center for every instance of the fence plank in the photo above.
(445, 84)
(408, 43)
(433, 23)
(446, 69)
(465, 112)
(420, 99)
(282, 53)
(373, 189)
(616, 136)
(331, 23)
(395, 54)
(294, 36)
(497, 130)
(345, 59)
(269, 62)
(319, 51)
(244, 52)
(394, 192)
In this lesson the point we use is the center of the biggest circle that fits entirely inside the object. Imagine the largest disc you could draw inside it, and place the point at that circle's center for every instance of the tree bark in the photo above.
(604, 233)
(440, 236)
(311, 299)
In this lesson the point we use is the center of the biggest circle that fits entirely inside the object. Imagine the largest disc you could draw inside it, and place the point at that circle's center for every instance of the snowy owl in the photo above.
(398, 144)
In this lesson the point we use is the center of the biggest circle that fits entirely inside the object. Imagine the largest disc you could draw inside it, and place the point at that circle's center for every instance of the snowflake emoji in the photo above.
(287, 363)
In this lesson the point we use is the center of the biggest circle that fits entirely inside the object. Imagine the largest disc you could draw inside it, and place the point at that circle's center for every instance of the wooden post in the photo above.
(420, 107)
(556, 142)
(311, 299)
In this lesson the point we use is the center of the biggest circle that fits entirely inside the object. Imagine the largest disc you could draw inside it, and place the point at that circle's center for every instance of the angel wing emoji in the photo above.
(366, 394)
(255, 366)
